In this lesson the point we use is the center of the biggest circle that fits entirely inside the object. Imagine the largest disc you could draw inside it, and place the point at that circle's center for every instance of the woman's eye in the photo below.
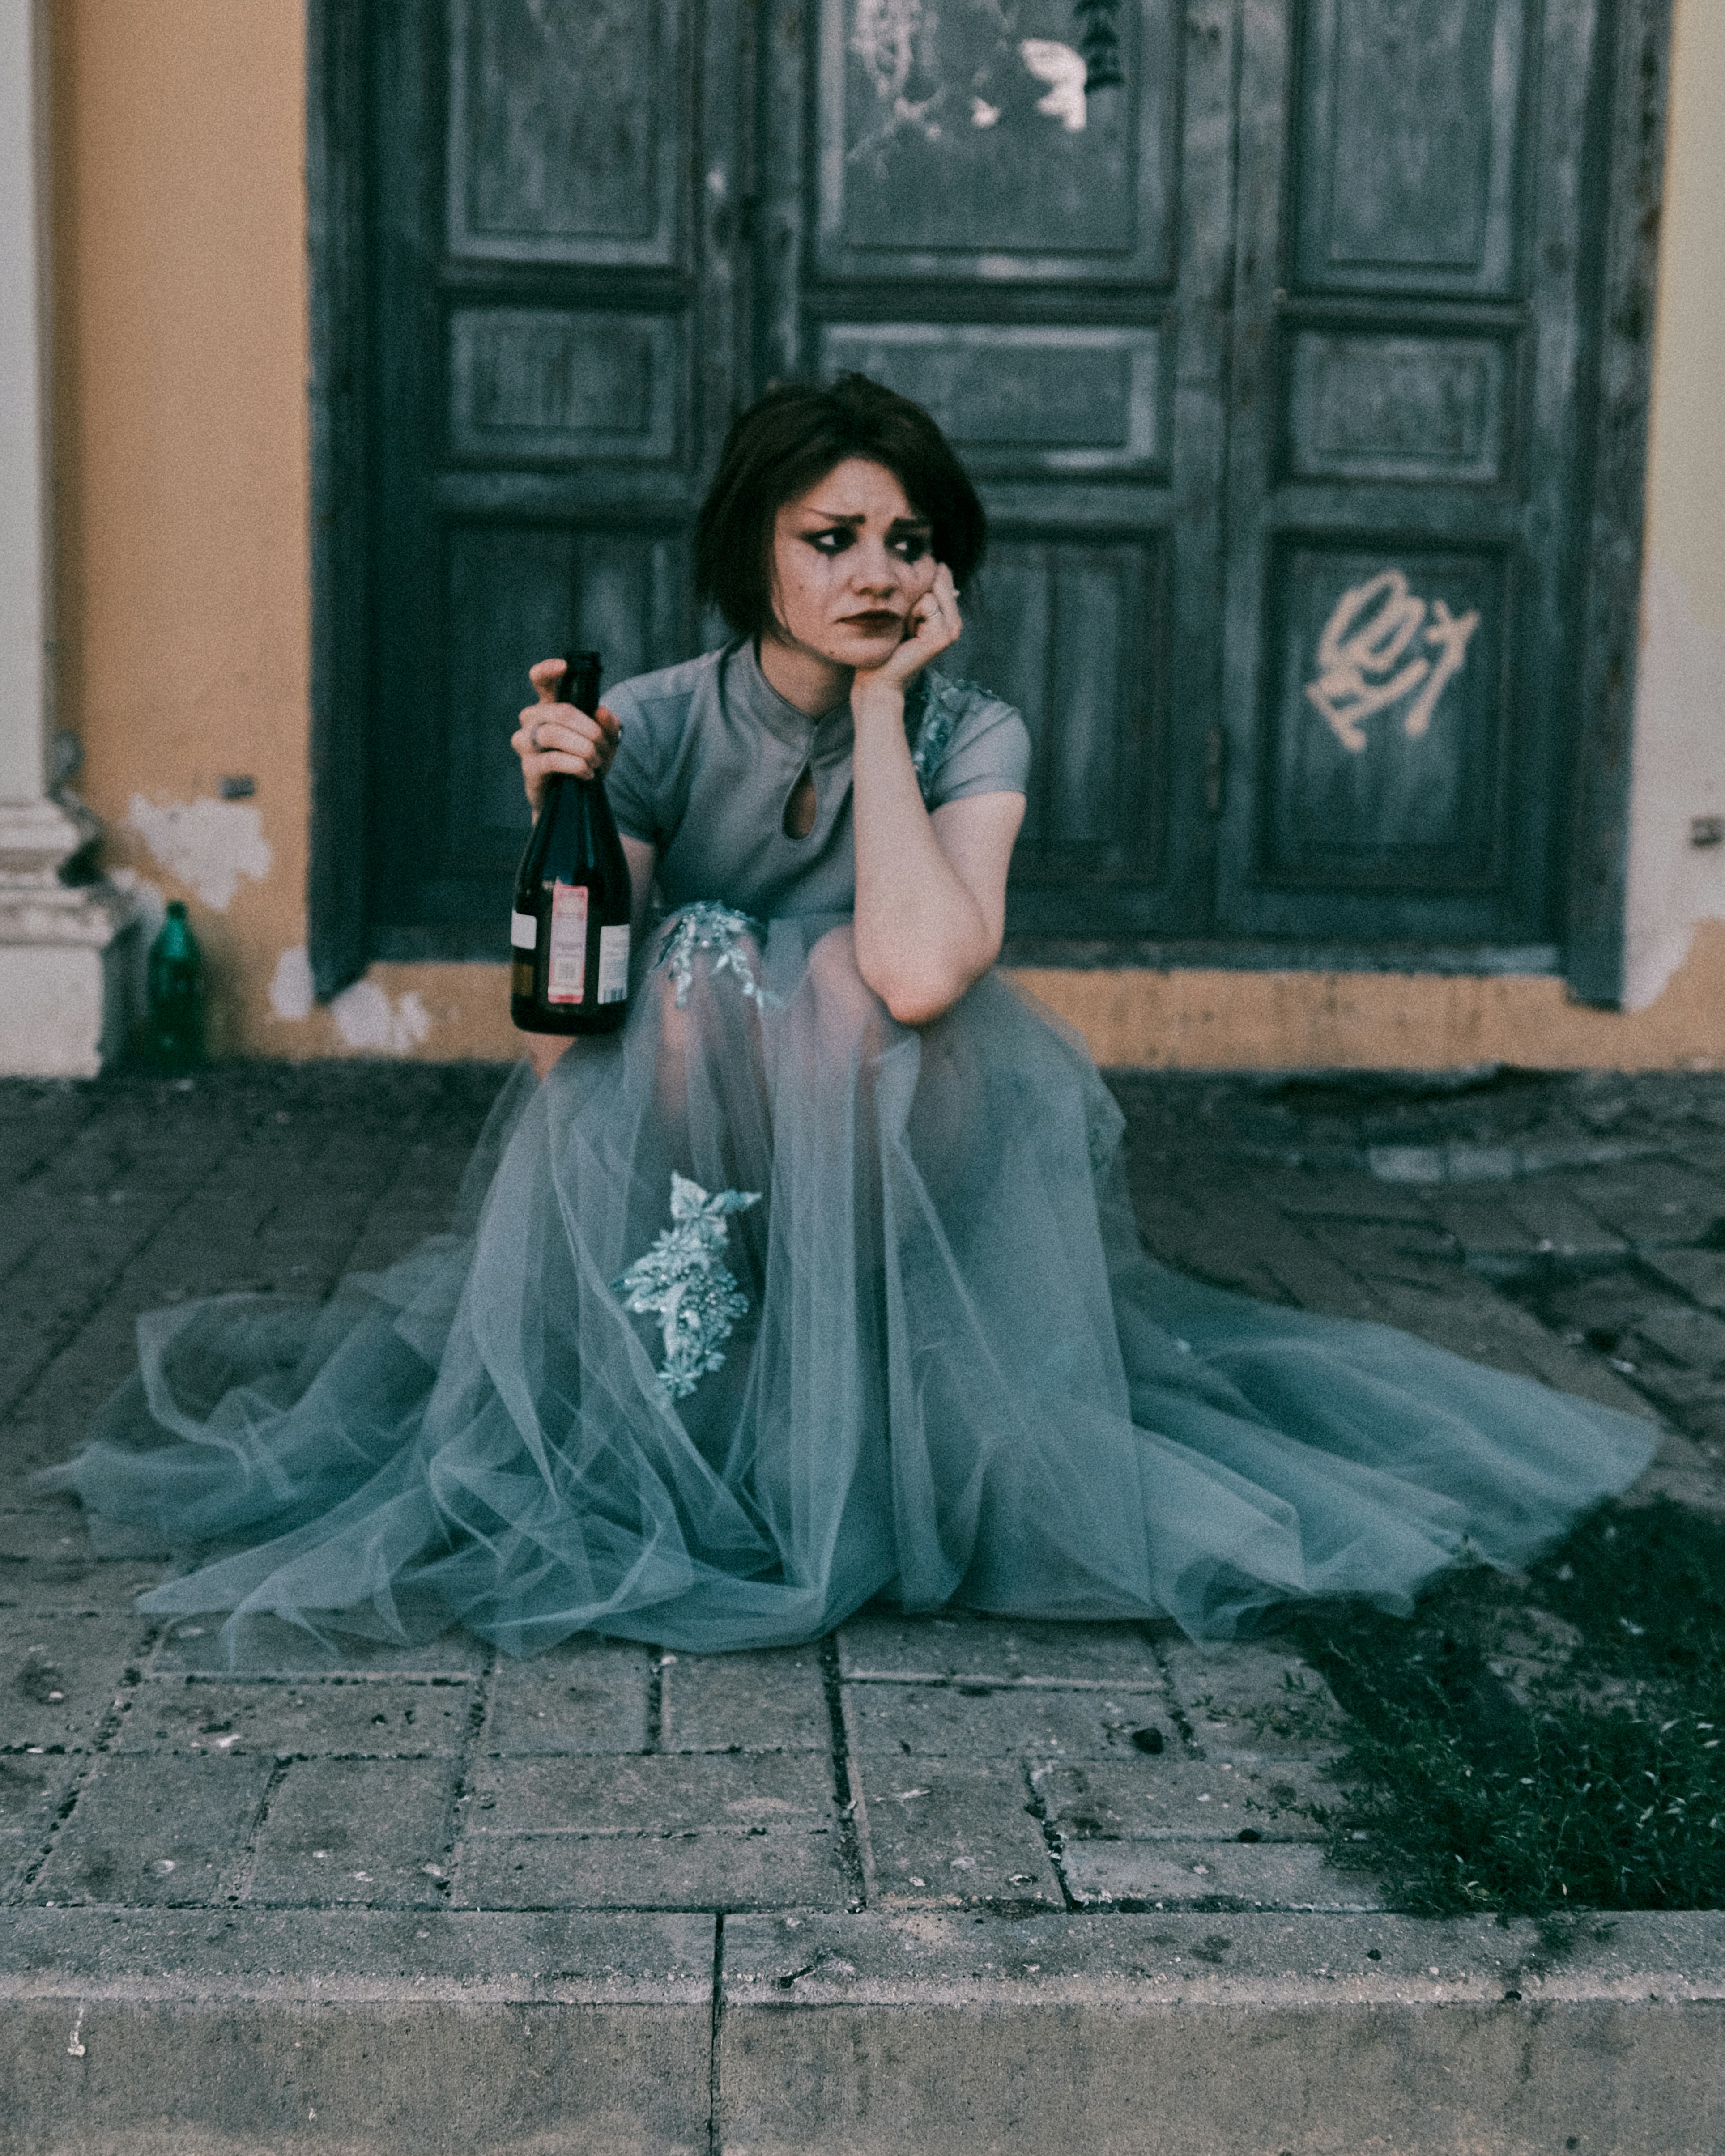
(829, 542)
(912, 548)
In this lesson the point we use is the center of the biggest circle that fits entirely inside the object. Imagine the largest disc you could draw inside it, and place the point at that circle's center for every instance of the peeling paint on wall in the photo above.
(1065, 73)
(291, 996)
(369, 1020)
(208, 845)
(1679, 777)
(885, 40)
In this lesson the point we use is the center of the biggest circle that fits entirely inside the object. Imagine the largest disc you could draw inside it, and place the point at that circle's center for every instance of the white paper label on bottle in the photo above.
(613, 965)
(566, 976)
(523, 930)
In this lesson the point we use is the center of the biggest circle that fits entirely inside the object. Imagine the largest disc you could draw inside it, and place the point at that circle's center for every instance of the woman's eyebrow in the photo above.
(856, 516)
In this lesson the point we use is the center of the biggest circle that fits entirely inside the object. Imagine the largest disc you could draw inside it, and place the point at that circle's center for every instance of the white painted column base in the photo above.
(66, 957)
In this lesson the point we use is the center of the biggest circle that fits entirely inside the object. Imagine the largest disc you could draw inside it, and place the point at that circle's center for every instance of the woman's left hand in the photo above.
(935, 625)
(554, 736)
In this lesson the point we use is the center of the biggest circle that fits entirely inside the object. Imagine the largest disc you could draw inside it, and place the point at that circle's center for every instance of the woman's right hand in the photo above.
(553, 736)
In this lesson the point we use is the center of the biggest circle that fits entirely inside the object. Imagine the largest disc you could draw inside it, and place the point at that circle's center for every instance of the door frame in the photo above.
(1631, 86)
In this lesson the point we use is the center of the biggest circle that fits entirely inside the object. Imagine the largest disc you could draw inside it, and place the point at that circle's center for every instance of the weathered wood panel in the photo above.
(1023, 398)
(567, 131)
(1374, 405)
(1073, 631)
(1385, 729)
(960, 142)
(534, 384)
(1411, 145)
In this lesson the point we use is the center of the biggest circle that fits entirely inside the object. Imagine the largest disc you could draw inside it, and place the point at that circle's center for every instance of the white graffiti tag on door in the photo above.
(1364, 664)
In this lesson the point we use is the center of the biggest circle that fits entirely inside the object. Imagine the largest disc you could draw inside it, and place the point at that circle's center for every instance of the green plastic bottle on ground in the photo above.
(173, 1026)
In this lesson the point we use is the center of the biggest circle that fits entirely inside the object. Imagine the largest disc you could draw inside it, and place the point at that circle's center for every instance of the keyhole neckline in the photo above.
(802, 805)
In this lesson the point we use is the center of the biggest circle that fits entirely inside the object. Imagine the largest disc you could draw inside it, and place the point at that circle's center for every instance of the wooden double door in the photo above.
(1271, 361)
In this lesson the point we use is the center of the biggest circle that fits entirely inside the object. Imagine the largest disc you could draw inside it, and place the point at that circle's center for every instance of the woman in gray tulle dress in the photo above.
(820, 1281)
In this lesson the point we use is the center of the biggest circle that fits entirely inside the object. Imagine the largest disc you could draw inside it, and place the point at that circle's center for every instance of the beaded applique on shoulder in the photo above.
(936, 702)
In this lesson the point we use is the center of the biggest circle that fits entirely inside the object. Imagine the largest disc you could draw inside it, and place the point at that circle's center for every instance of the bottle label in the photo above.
(523, 930)
(566, 974)
(613, 965)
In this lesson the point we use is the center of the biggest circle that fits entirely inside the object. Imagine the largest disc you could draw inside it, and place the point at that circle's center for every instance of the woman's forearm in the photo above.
(922, 938)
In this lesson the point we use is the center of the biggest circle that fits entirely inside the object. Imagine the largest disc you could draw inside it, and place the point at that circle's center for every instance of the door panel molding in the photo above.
(1402, 795)
(536, 384)
(1381, 102)
(1361, 402)
(565, 119)
(960, 143)
(1023, 398)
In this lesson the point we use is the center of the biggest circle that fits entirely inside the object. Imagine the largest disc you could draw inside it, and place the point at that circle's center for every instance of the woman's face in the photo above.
(850, 559)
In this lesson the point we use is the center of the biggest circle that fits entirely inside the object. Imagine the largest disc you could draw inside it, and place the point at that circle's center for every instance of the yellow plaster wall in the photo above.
(180, 468)
(181, 441)
(1680, 729)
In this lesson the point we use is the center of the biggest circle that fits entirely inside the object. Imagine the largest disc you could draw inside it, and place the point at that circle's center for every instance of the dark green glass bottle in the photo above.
(173, 1025)
(568, 930)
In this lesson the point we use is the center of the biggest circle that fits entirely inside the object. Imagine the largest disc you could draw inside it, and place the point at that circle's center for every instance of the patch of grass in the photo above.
(1600, 1783)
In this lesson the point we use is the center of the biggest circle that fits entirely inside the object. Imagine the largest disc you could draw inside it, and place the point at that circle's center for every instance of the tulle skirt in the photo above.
(769, 1306)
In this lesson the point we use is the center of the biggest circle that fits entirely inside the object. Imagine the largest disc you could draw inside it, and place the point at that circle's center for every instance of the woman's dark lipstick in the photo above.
(878, 618)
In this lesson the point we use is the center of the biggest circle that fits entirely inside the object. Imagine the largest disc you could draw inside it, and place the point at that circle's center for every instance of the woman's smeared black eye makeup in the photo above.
(909, 541)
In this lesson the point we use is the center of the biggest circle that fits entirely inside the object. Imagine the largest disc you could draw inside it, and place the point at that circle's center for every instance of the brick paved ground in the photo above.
(1573, 1228)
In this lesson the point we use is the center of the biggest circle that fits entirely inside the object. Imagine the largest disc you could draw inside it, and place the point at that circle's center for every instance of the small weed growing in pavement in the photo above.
(1598, 1783)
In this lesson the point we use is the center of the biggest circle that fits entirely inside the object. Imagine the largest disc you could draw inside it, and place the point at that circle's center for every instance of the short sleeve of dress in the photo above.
(969, 742)
(632, 783)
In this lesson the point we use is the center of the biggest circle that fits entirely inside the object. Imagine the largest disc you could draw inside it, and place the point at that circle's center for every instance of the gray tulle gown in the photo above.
(769, 1306)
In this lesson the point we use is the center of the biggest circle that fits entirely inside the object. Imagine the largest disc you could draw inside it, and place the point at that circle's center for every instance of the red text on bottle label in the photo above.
(566, 968)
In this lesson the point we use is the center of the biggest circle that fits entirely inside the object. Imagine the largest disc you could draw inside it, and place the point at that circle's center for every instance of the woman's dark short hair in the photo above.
(779, 448)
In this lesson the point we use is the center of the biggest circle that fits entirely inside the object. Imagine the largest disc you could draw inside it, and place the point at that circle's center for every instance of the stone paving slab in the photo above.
(658, 1793)
(359, 1830)
(904, 1719)
(586, 1696)
(768, 1869)
(164, 1831)
(1254, 1697)
(59, 1571)
(953, 1831)
(769, 1702)
(957, 1647)
(281, 1650)
(278, 1721)
(62, 1673)
(1203, 1875)
(1276, 1799)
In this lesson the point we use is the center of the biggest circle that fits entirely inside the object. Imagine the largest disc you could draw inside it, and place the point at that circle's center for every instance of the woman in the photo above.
(820, 1281)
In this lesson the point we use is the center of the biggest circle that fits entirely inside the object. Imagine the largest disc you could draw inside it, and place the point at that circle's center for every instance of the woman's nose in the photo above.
(873, 569)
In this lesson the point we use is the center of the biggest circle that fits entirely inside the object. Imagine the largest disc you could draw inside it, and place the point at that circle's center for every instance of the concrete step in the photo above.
(127, 2032)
